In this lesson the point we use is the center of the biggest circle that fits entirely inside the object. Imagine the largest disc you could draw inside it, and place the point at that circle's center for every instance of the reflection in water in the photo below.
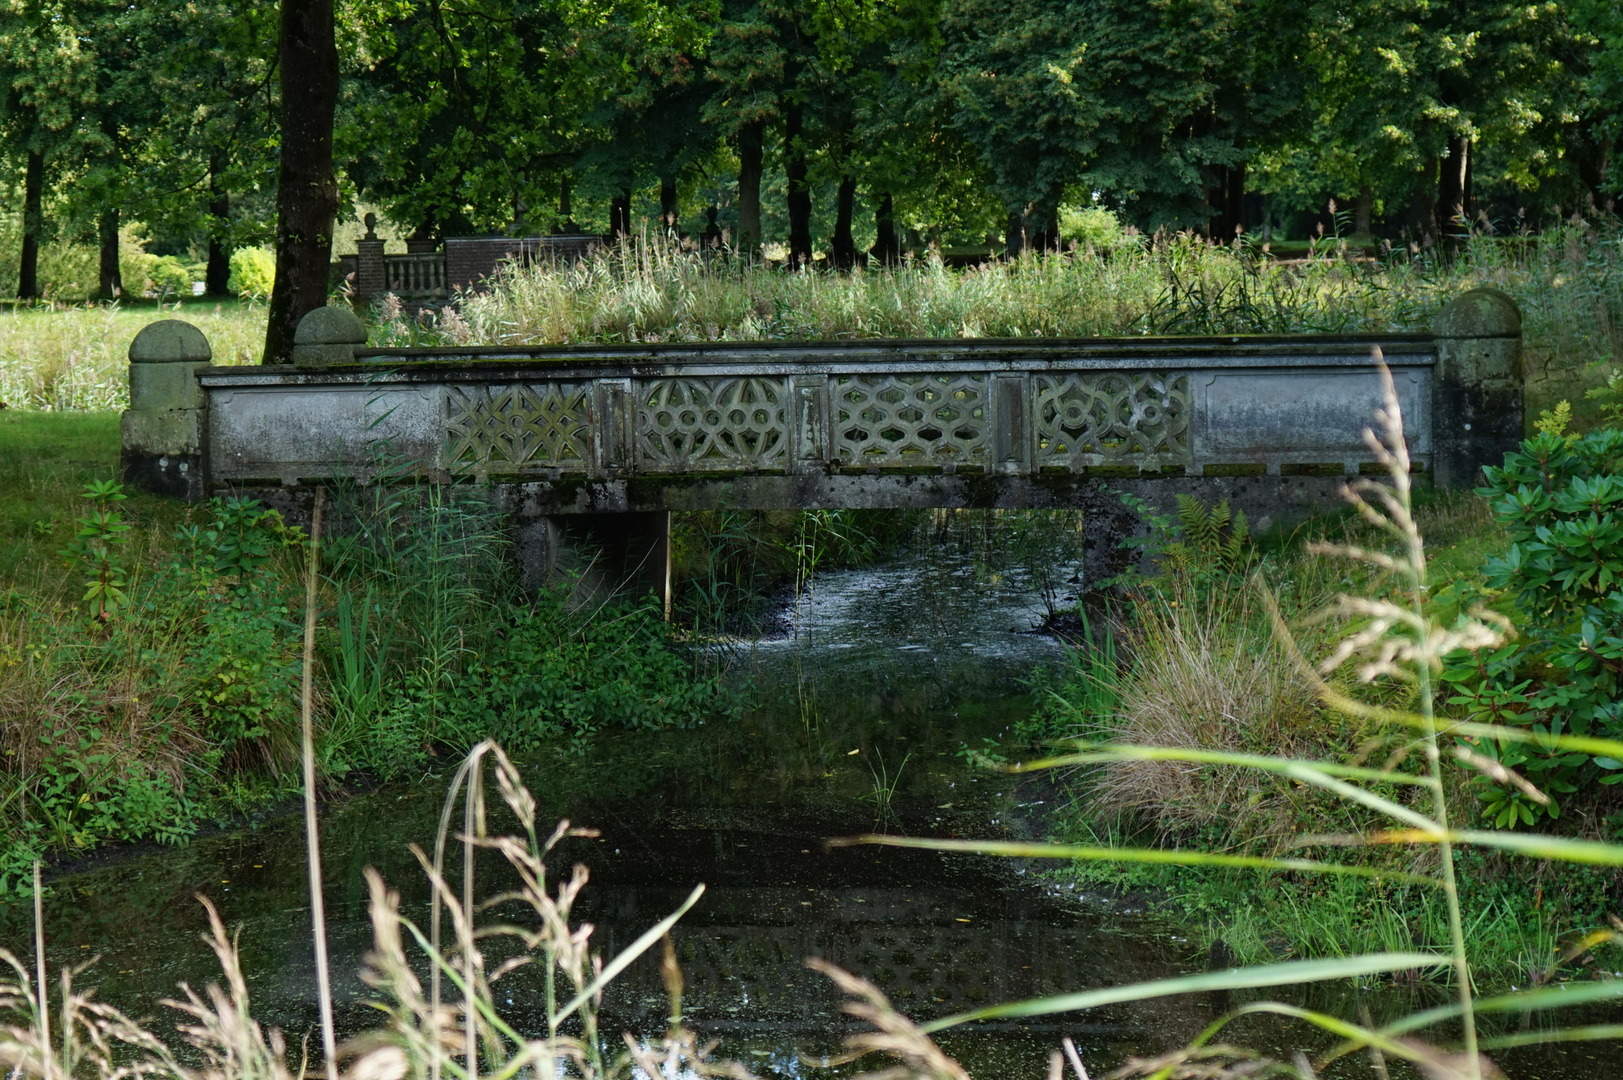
(910, 661)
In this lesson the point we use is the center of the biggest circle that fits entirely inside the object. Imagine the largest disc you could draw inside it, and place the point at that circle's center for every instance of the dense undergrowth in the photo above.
(1190, 658)
(149, 653)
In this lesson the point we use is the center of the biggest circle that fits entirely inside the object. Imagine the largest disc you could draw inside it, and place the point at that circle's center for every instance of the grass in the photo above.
(61, 357)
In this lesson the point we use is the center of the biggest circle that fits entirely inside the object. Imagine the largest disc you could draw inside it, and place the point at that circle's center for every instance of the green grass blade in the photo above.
(1558, 996)
(1289, 973)
(1111, 752)
(1174, 856)
(1318, 774)
(1531, 845)
(634, 950)
(1574, 1034)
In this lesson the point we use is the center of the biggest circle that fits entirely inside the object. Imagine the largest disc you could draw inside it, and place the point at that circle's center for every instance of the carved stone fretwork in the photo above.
(890, 420)
(687, 425)
(1112, 418)
(538, 425)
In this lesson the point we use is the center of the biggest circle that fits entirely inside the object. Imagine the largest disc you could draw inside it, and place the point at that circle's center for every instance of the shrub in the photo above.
(1091, 226)
(253, 273)
(170, 277)
(1560, 498)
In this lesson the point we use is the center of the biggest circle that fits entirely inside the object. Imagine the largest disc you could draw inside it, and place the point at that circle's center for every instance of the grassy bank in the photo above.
(1194, 661)
(150, 651)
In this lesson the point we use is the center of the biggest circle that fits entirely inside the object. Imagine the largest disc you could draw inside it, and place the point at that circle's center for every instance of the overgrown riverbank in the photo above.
(1192, 660)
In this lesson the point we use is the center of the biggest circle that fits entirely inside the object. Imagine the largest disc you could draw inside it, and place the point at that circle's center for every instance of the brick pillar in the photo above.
(370, 282)
(164, 430)
(1477, 388)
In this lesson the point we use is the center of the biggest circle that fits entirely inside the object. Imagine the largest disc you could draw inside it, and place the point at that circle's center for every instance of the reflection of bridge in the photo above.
(1268, 422)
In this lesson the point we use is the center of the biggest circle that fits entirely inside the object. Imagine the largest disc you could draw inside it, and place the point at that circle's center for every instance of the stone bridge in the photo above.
(605, 441)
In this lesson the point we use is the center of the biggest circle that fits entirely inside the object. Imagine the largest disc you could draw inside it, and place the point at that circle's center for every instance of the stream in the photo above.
(879, 680)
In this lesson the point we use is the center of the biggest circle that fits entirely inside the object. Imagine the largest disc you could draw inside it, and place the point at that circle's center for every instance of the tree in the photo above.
(306, 190)
(44, 81)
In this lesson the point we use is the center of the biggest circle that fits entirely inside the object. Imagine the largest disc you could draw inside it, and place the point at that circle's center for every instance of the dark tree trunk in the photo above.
(620, 216)
(1226, 201)
(749, 189)
(799, 197)
(887, 249)
(845, 246)
(1014, 236)
(667, 206)
(110, 283)
(566, 220)
(1451, 212)
(217, 276)
(1364, 212)
(1423, 205)
(1041, 227)
(33, 225)
(306, 191)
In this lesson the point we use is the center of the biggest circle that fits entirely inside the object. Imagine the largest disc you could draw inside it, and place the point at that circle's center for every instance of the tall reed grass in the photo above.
(75, 356)
(1568, 282)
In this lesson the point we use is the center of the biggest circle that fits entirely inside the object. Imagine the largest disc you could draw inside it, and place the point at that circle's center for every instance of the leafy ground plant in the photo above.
(1392, 636)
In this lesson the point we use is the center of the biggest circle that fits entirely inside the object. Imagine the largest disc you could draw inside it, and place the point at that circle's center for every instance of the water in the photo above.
(881, 675)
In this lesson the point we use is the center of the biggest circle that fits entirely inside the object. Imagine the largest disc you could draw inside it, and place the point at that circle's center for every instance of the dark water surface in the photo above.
(885, 672)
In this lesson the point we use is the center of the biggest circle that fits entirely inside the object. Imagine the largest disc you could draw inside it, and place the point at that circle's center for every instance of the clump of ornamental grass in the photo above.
(1209, 674)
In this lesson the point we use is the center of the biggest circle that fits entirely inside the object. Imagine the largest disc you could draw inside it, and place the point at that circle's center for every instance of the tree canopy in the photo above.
(830, 126)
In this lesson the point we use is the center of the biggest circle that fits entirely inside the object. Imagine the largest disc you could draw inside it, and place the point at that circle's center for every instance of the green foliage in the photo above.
(1560, 499)
(169, 277)
(1213, 541)
(1091, 226)
(1610, 397)
(253, 273)
(92, 551)
(555, 672)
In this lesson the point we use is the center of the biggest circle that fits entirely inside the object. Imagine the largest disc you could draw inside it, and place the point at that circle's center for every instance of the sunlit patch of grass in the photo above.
(75, 357)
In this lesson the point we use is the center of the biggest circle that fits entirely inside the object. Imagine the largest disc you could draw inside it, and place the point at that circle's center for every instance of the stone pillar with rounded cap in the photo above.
(327, 336)
(165, 426)
(1477, 386)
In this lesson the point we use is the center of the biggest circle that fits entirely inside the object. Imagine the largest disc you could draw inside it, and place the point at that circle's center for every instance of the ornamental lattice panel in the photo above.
(1111, 418)
(540, 425)
(686, 425)
(925, 420)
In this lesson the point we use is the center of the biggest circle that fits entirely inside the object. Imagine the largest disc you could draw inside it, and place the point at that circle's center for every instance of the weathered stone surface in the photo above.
(1477, 405)
(160, 385)
(1482, 312)
(327, 335)
(330, 326)
(170, 341)
(162, 432)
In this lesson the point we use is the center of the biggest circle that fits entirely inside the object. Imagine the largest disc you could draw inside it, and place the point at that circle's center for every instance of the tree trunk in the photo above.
(33, 225)
(799, 197)
(1423, 205)
(217, 277)
(668, 207)
(110, 283)
(566, 220)
(1014, 236)
(1364, 212)
(887, 249)
(1041, 226)
(1451, 212)
(1225, 201)
(306, 191)
(620, 216)
(845, 246)
(749, 189)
